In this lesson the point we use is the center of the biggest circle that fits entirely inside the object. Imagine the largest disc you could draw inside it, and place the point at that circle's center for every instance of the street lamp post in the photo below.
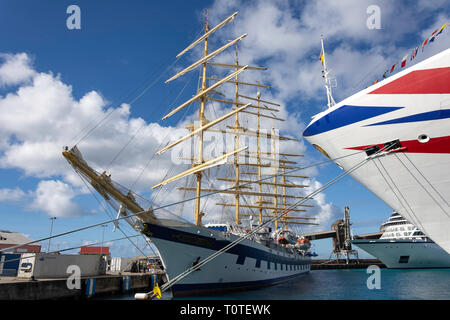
(51, 230)
(103, 236)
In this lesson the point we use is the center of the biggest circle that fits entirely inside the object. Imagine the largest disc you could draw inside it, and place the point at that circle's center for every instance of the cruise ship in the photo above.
(402, 245)
(401, 126)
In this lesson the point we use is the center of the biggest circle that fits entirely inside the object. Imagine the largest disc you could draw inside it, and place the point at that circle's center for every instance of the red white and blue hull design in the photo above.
(411, 109)
(245, 266)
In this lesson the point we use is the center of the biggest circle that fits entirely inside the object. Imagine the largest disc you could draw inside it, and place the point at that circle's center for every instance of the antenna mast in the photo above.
(325, 75)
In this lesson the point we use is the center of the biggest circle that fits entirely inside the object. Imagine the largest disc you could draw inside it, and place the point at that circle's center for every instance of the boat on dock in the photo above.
(257, 183)
(404, 246)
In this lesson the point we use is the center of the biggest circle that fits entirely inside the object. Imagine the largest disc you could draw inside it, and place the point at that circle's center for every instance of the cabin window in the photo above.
(258, 264)
(403, 259)
(240, 260)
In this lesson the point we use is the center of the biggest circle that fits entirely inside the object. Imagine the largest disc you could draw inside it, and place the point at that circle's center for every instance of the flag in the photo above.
(321, 57)
(375, 82)
(442, 28)
(393, 67)
(414, 52)
(433, 35)
(385, 74)
(404, 61)
(424, 44)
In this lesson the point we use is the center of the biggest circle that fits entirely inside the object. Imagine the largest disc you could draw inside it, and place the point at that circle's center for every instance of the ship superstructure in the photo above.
(403, 245)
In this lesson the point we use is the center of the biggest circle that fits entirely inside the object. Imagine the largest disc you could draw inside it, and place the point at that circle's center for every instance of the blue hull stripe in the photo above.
(179, 290)
(345, 116)
(426, 116)
(242, 251)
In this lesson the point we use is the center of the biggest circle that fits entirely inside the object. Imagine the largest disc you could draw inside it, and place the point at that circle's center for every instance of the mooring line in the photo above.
(170, 283)
(173, 204)
(77, 247)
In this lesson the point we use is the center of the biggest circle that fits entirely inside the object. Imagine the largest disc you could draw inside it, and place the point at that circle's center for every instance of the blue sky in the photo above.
(54, 82)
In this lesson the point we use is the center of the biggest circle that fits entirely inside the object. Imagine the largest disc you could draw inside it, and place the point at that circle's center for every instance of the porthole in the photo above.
(423, 138)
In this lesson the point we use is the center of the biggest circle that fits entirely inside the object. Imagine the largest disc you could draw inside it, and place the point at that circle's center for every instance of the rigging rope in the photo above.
(134, 91)
(174, 203)
(170, 283)
(77, 247)
(423, 187)
(108, 213)
(417, 222)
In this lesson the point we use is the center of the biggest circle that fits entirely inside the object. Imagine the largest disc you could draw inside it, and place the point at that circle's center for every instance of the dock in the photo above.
(14, 288)
(326, 264)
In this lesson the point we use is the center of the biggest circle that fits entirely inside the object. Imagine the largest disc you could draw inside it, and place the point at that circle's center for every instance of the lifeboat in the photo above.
(303, 244)
(285, 237)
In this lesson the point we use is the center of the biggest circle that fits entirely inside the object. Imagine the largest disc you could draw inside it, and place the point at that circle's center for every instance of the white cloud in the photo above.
(56, 199)
(41, 116)
(15, 69)
(11, 195)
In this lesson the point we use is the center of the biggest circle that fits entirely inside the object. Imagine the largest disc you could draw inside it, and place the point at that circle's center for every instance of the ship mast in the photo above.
(197, 214)
(236, 143)
(199, 164)
(326, 76)
(112, 191)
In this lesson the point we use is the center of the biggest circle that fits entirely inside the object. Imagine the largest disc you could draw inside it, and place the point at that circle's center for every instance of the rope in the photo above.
(77, 247)
(129, 96)
(423, 187)
(402, 196)
(181, 276)
(107, 212)
(171, 204)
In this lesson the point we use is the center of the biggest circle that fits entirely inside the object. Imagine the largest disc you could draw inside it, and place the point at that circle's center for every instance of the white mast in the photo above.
(325, 75)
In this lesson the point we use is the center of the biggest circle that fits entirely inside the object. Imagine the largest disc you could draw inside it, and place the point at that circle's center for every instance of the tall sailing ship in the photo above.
(403, 123)
(259, 180)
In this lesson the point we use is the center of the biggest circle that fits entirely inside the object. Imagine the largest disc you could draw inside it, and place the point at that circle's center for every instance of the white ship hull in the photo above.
(413, 107)
(247, 265)
(406, 253)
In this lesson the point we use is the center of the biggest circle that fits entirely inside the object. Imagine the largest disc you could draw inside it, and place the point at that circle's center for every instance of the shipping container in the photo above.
(9, 264)
(47, 265)
(121, 264)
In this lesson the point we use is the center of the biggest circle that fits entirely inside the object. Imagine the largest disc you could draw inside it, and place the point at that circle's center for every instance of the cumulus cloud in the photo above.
(285, 36)
(11, 195)
(15, 69)
(41, 114)
(56, 198)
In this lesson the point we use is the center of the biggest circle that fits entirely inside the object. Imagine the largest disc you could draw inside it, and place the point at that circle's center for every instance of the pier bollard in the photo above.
(141, 296)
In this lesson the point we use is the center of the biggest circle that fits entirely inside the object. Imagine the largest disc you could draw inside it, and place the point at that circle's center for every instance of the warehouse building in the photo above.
(10, 258)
